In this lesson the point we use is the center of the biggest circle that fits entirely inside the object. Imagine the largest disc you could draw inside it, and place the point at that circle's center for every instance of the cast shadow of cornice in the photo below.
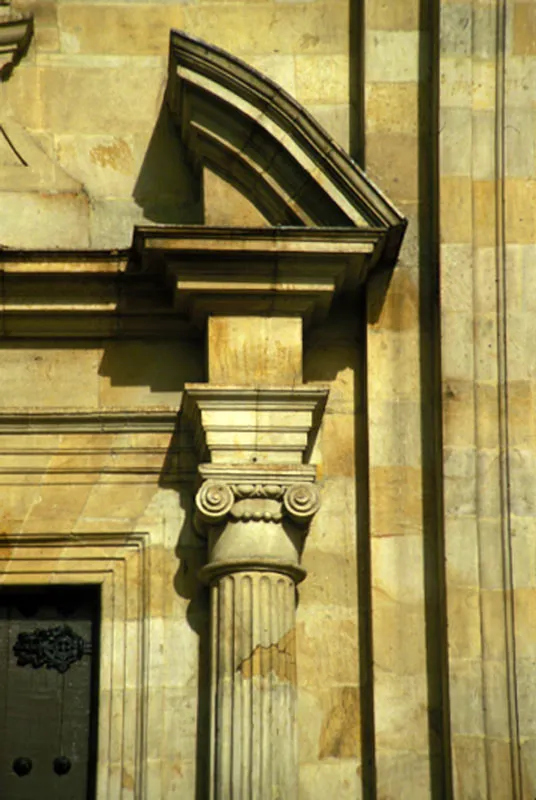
(167, 188)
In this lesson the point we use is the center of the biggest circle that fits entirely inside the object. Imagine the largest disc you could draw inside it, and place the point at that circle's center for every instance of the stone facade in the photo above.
(232, 379)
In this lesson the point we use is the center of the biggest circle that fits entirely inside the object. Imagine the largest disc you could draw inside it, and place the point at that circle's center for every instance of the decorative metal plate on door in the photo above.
(54, 648)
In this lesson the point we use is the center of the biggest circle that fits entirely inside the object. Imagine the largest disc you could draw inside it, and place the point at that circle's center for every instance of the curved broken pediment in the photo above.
(248, 130)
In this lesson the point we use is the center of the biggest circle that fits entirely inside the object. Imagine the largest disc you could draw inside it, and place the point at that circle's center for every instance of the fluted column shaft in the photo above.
(254, 686)
(255, 536)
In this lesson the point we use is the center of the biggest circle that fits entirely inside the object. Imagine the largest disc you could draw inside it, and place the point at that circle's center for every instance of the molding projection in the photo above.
(253, 134)
(15, 35)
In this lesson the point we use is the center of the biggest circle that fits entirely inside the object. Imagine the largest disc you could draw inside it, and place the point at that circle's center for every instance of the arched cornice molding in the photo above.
(253, 134)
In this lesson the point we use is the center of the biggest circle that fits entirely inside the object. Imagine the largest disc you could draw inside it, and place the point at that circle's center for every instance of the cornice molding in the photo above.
(234, 424)
(284, 271)
(15, 35)
(249, 130)
(74, 421)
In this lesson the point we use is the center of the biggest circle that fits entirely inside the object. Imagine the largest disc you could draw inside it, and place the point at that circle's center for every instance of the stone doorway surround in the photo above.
(252, 292)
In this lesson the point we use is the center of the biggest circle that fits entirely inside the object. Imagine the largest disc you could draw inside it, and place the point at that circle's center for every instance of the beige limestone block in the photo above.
(321, 27)
(525, 621)
(485, 326)
(484, 85)
(395, 433)
(103, 164)
(520, 81)
(339, 735)
(338, 445)
(456, 209)
(280, 68)
(225, 205)
(147, 373)
(399, 308)
(484, 221)
(460, 480)
(400, 706)
(483, 155)
(330, 578)
(335, 119)
(520, 145)
(104, 95)
(396, 365)
(396, 501)
(333, 527)
(322, 78)
(391, 56)
(458, 338)
(398, 631)
(340, 779)
(524, 552)
(392, 161)
(499, 765)
(394, 15)
(326, 639)
(58, 377)
(469, 766)
(464, 622)
(392, 107)
(456, 28)
(524, 29)
(108, 28)
(520, 219)
(46, 220)
(244, 351)
(466, 692)
(397, 568)
(462, 552)
(455, 81)
(458, 413)
(403, 774)
(526, 700)
(497, 712)
(455, 141)
(484, 273)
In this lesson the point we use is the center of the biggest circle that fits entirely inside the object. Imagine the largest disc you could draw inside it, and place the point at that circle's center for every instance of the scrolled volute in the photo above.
(213, 502)
(301, 502)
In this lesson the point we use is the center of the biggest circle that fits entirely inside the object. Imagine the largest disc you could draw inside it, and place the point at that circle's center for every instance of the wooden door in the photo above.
(48, 692)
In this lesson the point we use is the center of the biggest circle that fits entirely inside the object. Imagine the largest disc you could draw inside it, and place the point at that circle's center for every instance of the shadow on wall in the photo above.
(168, 189)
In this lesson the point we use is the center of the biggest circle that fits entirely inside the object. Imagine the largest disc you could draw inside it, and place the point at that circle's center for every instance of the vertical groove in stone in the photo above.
(253, 734)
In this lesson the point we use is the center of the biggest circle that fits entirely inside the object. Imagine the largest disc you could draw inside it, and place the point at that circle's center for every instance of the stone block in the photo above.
(456, 209)
(392, 161)
(46, 220)
(105, 165)
(464, 622)
(322, 78)
(392, 107)
(101, 96)
(524, 29)
(455, 141)
(254, 350)
(392, 56)
(400, 15)
(118, 29)
(284, 28)
(396, 501)
(397, 567)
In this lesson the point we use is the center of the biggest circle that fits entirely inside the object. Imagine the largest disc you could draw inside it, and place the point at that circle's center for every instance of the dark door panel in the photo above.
(48, 692)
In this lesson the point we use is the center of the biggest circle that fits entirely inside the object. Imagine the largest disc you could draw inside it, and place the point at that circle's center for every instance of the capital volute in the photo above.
(218, 502)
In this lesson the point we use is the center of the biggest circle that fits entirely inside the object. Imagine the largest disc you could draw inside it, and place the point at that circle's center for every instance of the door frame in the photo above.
(119, 563)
